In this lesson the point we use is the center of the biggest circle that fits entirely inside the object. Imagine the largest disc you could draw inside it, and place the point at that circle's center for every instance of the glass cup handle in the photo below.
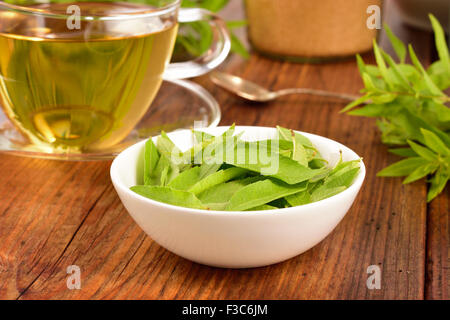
(216, 54)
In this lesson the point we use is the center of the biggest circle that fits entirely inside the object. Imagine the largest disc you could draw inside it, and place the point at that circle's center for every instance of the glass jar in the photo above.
(310, 30)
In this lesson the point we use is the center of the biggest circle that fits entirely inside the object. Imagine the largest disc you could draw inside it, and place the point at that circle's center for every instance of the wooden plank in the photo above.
(42, 205)
(438, 246)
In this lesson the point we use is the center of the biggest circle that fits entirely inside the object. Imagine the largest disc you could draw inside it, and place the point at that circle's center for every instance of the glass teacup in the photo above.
(78, 76)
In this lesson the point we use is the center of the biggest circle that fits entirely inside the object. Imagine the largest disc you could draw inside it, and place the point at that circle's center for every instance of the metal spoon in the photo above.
(254, 92)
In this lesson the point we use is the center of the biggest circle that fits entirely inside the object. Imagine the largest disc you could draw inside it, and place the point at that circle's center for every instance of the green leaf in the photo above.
(210, 143)
(157, 177)
(392, 133)
(277, 166)
(430, 84)
(434, 113)
(356, 103)
(164, 176)
(286, 134)
(421, 172)
(208, 169)
(186, 179)
(402, 79)
(201, 136)
(211, 5)
(238, 47)
(438, 183)
(169, 196)
(373, 71)
(381, 64)
(402, 168)
(151, 158)
(223, 192)
(410, 72)
(215, 179)
(236, 24)
(167, 148)
(344, 166)
(262, 208)
(262, 192)
(340, 178)
(439, 75)
(299, 199)
(422, 151)
(361, 64)
(403, 152)
(368, 82)
(317, 163)
(343, 178)
(323, 193)
(372, 110)
(435, 143)
(441, 44)
(299, 153)
(411, 125)
(383, 98)
(397, 44)
(320, 177)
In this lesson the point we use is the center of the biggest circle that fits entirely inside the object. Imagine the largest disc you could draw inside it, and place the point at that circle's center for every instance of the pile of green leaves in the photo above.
(228, 183)
(196, 37)
(410, 106)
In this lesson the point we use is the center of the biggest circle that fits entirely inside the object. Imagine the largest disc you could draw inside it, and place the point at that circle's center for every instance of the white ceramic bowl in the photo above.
(233, 239)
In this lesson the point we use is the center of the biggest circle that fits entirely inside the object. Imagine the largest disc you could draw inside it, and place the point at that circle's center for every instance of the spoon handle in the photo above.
(315, 92)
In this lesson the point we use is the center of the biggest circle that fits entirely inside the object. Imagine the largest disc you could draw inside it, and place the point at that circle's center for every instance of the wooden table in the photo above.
(54, 214)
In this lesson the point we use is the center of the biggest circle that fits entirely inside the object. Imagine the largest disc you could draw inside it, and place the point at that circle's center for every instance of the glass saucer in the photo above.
(178, 105)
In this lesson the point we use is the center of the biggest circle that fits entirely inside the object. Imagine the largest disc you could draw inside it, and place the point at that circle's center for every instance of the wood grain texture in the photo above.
(55, 214)
(438, 248)
(43, 203)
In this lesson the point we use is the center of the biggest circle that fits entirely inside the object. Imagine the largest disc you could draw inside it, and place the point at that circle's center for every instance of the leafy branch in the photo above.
(409, 104)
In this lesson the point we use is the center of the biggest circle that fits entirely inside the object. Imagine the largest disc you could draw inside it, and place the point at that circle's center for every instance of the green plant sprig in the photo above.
(410, 106)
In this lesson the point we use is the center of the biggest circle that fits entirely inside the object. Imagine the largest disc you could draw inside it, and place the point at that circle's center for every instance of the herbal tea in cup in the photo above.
(79, 76)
